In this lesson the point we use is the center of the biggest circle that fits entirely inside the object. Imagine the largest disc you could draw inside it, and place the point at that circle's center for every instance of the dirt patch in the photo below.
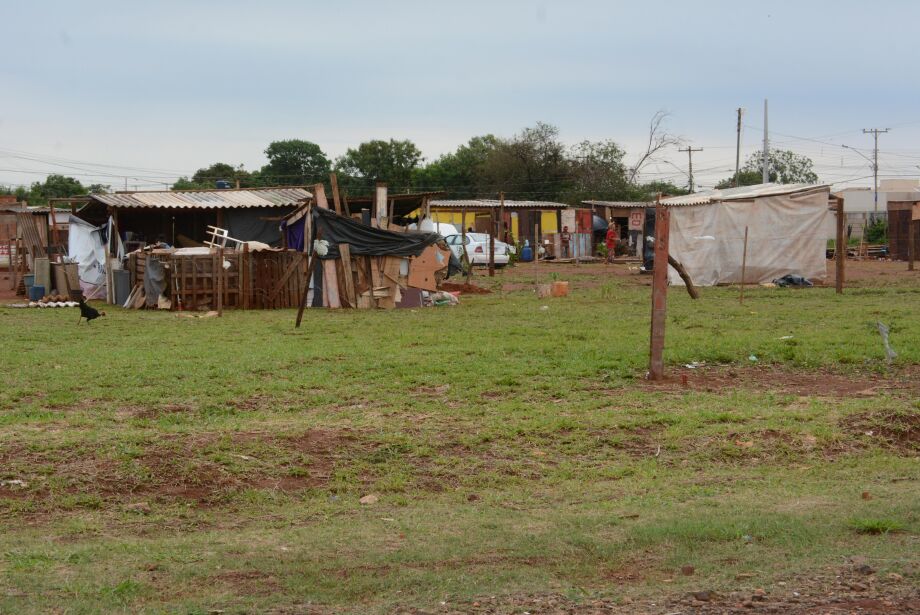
(250, 582)
(847, 592)
(813, 383)
(899, 430)
(465, 289)
(206, 468)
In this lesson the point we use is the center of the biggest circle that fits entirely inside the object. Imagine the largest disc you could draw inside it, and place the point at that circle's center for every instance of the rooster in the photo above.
(88, 312)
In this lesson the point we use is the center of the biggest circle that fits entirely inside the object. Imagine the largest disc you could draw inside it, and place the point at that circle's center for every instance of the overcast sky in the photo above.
(167, 87)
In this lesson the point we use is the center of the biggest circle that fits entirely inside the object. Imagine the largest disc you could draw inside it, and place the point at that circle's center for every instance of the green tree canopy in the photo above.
(459, 174)
(54, 187)
(390, 161)
(784, 167)
(530, 165)
(294, 162)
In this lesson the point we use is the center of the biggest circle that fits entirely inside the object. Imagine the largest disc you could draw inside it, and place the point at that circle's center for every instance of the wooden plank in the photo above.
(350, 295)
(659, 293)
(294, 266)
(333, 180)
(330, 279)
(422, 268)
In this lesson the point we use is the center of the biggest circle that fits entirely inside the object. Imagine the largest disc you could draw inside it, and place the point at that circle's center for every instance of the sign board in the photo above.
(636, 219)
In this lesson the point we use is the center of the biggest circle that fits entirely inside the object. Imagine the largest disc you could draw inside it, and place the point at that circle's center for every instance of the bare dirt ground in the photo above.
(858, 274)
(853, 589)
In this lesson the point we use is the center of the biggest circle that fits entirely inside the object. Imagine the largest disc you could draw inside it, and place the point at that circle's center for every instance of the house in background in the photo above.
(859, 203)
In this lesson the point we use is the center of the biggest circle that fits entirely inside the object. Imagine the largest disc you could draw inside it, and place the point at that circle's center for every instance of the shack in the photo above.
(538, 222)
(629, 216)
(181, 217)
(787, 230)
(903, 212)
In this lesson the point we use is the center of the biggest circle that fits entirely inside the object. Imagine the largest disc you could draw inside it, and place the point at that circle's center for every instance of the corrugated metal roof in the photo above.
(741, 193)
(206, 199)
(620, 204)
(493, 203)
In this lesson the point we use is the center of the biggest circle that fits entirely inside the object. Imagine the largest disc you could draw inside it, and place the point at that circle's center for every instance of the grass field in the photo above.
(150, 463)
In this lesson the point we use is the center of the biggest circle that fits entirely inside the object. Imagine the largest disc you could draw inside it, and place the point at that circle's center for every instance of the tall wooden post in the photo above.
(336, 200)
(492, 241)
(220, 281)
(840, 251)
(910, 244)
(465, 257)
(659, 292)
(501, 217)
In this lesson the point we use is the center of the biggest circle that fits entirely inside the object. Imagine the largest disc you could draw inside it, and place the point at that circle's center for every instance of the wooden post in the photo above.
(659, 292)
(463, 254)
(910, 244)
(492, 240)
(744, 265)
(245, 279)
(334, 181)
(350, 295)
(330, 279)
(220, 281)
(306, 288)
(501, 217)
(840, 252)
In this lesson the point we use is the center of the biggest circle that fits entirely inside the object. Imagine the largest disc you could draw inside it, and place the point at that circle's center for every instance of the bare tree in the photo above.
(658, 139)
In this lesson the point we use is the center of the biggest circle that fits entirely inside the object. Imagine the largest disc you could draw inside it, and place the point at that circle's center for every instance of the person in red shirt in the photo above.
(613, 233)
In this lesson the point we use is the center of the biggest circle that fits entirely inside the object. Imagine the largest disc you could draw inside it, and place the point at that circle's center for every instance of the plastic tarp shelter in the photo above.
(86, 247)
(788, 227)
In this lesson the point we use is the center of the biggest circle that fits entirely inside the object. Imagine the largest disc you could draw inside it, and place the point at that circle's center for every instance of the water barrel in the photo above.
(36, 293)
(526, 254)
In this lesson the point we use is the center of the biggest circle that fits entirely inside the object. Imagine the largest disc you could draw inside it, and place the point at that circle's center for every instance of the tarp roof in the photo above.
(742, 193)
(206, 199)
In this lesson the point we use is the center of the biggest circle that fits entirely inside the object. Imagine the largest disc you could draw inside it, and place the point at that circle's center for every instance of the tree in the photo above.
(598, 172)
(294, 162)
(460, 174)
(534, 164)
(98, 189)
(784, 167)
(54, 187)
(658, 140)
(389, 161)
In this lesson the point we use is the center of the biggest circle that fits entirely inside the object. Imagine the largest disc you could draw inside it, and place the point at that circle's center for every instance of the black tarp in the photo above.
(255, 224)
(369, 241)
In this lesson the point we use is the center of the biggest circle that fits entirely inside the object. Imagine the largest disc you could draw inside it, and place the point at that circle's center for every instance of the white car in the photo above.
(477, 248)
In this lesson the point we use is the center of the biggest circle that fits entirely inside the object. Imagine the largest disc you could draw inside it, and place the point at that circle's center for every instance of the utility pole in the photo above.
(874, 132)
(738, 149)
(766, 146)
(690, 151)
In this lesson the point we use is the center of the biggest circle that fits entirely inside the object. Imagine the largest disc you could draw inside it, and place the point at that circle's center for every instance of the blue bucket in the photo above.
(36, 293)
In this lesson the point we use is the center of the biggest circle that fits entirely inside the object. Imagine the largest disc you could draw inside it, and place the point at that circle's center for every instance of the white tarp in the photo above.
(786, 234)
(86, 247)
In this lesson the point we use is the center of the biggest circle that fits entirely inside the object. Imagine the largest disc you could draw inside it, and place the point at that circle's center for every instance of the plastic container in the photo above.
(36, 293)
(526, 254)
(29, 280)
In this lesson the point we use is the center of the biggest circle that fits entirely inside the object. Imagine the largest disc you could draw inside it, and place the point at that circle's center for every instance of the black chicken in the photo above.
(88, 312)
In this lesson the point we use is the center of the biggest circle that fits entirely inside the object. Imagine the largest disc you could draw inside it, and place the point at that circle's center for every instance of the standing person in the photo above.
(564, 239)
(613, 234)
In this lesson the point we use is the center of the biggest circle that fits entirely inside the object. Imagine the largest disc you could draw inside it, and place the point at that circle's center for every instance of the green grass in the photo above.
(184, 465)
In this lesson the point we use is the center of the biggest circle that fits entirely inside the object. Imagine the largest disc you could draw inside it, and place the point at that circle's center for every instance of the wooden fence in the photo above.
(245, 280)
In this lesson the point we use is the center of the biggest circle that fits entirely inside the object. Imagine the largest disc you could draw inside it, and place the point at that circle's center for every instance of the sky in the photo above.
(138, 93)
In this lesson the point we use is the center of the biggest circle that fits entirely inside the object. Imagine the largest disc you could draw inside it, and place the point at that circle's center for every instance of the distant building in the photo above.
(859, 203)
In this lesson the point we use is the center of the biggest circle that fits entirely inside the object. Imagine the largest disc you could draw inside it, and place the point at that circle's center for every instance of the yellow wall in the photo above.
(547, 221)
